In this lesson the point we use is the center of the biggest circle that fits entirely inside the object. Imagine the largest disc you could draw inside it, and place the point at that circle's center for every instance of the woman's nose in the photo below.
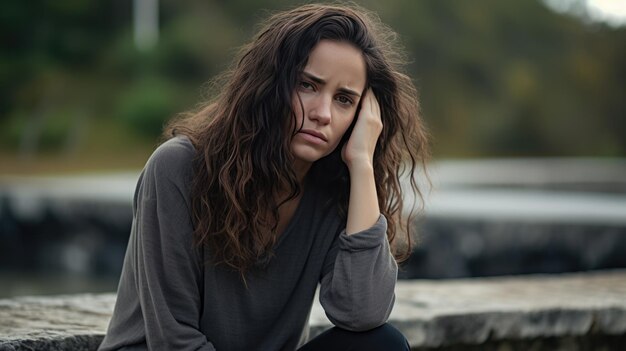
(321, 111)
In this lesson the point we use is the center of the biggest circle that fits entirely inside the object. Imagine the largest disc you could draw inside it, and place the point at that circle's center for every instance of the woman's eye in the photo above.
(344, 100)
(306, 85)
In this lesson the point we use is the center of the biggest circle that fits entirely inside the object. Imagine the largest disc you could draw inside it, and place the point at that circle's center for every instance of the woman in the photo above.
(288, 179)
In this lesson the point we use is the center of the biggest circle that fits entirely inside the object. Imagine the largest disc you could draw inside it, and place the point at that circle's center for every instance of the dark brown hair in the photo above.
(243, 134)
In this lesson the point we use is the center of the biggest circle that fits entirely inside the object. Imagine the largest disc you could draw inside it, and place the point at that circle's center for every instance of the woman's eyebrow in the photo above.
(320, 81)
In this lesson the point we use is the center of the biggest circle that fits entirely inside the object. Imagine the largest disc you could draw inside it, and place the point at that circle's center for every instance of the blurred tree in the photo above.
(496, 78)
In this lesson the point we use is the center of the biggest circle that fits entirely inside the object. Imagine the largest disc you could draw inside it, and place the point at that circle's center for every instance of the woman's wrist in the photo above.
(362, 165)
(363, 209)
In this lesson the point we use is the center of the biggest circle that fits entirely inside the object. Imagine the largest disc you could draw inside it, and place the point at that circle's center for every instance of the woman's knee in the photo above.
(390, 338)
(385, 337)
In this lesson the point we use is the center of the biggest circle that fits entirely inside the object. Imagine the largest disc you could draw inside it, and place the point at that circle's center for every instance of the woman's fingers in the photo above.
(362, 142)
(370, 103)
(374, 109)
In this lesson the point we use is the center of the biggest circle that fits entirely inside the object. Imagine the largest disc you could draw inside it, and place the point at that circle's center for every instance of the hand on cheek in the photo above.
(359, 150)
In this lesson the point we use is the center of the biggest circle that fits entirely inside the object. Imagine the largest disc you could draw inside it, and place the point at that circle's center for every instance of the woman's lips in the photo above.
(313, 137)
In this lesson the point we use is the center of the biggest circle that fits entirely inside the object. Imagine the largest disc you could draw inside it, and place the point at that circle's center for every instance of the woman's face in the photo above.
(330, 89)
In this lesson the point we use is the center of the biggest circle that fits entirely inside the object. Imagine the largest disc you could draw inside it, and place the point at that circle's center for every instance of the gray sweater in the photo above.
(169, 299)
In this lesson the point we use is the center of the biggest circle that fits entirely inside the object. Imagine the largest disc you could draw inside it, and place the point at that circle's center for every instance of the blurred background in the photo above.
(525, 100)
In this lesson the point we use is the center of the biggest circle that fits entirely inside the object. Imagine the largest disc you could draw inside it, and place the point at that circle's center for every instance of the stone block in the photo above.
(579, 311)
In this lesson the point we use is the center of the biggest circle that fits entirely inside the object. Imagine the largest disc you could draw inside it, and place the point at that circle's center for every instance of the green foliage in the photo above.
(496, 78)
(515, 79)
(146, 106)
(51, 131)
(11, 129)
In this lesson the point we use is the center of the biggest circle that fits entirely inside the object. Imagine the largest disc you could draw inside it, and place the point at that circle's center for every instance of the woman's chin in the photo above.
(307, 157)
(306, 153)
(309, 153)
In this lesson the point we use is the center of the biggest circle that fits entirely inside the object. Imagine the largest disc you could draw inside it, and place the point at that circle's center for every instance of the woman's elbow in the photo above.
(364, 317)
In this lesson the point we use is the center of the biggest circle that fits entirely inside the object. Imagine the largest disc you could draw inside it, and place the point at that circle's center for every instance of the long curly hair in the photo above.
(243, 134)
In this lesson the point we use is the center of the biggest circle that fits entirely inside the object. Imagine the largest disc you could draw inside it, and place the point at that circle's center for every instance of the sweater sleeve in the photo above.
(358, 279)
(166, 267)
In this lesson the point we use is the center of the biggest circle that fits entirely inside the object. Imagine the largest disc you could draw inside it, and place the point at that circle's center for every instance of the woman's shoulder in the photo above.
(172, 160)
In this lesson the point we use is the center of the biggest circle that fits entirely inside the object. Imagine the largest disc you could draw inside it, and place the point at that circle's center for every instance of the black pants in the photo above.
(385, 337)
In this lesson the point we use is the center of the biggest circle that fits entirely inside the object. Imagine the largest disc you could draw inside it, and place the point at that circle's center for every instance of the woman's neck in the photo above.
(301, 169)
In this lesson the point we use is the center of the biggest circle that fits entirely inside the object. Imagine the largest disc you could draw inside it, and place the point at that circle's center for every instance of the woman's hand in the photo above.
(359, 150)
(358, 154)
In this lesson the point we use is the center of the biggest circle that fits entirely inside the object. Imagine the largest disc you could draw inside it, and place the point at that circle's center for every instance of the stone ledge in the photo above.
(432, 314)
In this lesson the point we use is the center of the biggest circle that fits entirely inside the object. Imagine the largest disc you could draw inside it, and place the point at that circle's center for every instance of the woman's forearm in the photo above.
(363, 210)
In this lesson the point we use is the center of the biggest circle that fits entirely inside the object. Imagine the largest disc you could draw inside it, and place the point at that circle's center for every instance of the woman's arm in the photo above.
(358, 154)
(159, 297)
(168, 272)
(359, 275)
(357, 285)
